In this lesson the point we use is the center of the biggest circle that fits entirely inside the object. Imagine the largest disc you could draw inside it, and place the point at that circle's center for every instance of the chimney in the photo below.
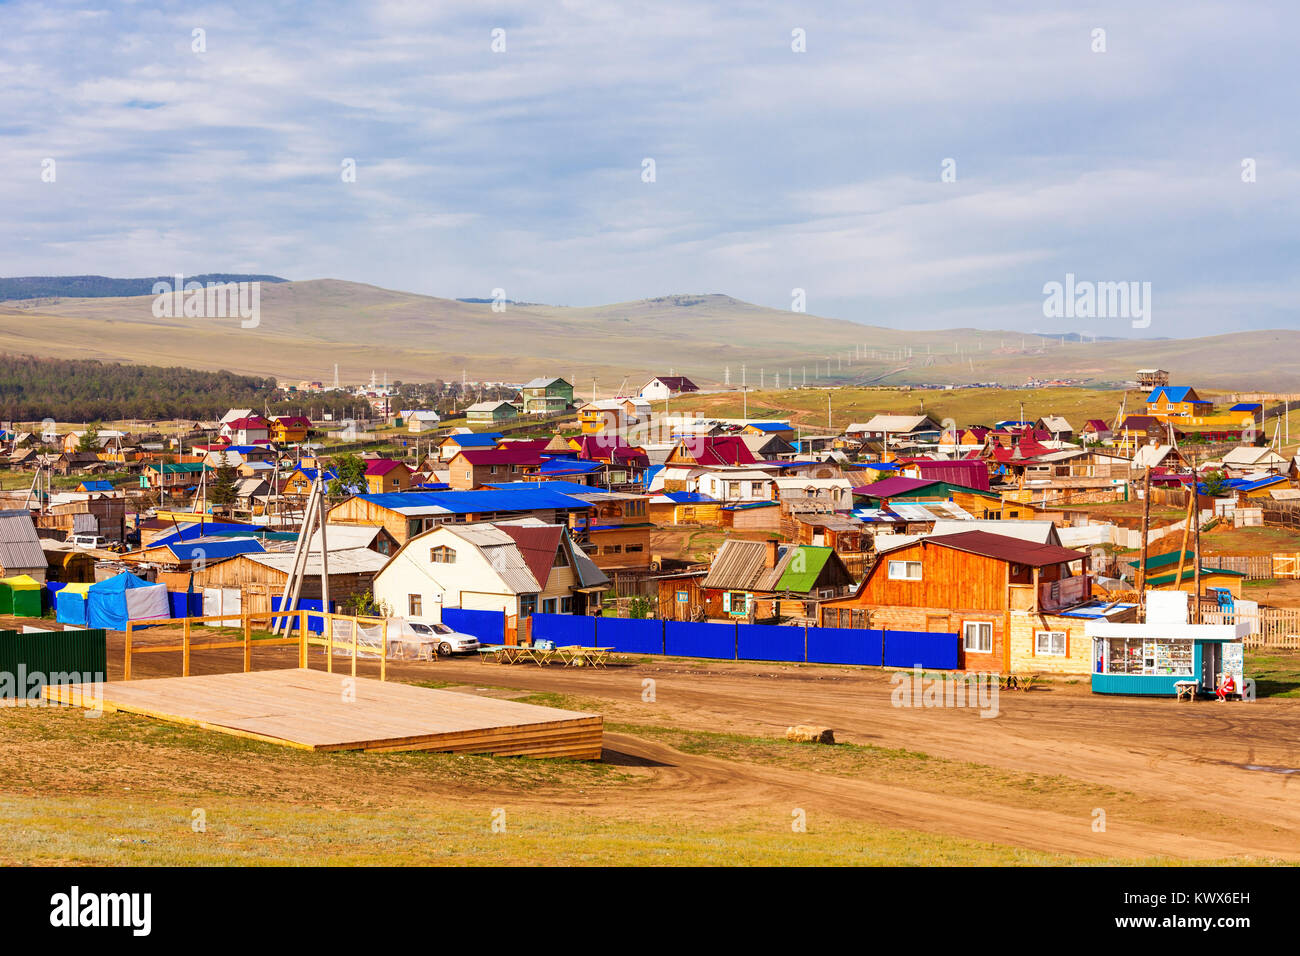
(769, 559)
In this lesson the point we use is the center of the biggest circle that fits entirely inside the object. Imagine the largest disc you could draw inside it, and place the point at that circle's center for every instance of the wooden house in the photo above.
(476, 467)
(385, 474)
(491, 412)
(546, 396)
(763, 580)
(981, 586)
(609, 415)
(290, 428)
(680, 597)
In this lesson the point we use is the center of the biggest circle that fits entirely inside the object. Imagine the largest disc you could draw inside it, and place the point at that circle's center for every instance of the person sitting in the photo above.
(1226, 686)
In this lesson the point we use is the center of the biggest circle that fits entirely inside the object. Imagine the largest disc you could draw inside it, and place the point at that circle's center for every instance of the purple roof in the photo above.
(890, 487)
(967, 473)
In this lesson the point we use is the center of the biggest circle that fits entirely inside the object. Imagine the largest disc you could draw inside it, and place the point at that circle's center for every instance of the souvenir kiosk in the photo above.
(1156, 657)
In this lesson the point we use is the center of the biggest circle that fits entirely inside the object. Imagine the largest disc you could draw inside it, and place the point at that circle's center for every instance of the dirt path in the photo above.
(1172, 778)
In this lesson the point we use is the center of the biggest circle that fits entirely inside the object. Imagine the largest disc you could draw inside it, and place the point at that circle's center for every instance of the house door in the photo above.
(1209, 666)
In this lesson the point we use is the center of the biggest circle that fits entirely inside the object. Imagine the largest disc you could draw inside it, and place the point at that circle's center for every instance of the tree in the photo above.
(221, 488)
(1214, 484)
(89, 440)
(351, 472)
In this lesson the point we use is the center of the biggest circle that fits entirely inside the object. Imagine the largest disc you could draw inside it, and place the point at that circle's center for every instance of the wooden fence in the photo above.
(348, 644)
(1256, 567)
(1280, 514)
(1276, 628)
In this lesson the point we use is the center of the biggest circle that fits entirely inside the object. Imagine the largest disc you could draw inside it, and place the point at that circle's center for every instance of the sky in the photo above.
(505, 146)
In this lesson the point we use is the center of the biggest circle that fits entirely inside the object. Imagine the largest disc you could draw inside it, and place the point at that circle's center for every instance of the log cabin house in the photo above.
(1005, 597)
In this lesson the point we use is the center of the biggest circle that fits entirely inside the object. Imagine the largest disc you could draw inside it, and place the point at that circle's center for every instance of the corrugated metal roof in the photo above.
(348, 561)
(214, 549)
(803, 566)
(20, 546)
(737, 565)
(1005, 548)
(537, 544)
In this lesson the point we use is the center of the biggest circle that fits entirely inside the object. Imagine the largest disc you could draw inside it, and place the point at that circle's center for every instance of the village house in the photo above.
(290, 429)
(519, 568)
(408, 513)
(765, 580)
(476, 467)
(1005, 598)
(453, 445)
(892, 427)
(491, 412)
(546, 396)
(247, 431)
(666, 386)
(419, 421)
(385, 474)
(608, 416)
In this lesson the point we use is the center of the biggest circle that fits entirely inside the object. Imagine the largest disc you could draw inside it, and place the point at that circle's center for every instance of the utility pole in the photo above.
(1142, 559)
(1196, 556)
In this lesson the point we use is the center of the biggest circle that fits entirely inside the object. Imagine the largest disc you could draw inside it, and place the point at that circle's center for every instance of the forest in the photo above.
(83, 390)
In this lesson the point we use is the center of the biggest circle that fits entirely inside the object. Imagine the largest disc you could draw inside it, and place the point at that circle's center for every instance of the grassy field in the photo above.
(126, 790)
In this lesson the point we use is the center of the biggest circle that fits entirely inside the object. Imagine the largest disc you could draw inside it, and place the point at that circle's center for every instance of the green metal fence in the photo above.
(50, 657)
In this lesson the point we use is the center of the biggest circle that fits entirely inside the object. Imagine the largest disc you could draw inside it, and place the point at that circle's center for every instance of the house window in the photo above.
(527, 605)
(634, 548)
(549, 605)
(442, 555)
(414, 605)
(683, 597)
(978, 636)
(904, 570)
(566, 605)
(1049, 643)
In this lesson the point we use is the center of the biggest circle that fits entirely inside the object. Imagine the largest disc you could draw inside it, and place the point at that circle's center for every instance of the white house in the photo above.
(835, 493)
(517, 567)
(666, 386)
(420, 421)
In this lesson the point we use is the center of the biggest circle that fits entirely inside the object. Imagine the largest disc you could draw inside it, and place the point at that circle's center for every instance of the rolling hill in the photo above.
(306, 327)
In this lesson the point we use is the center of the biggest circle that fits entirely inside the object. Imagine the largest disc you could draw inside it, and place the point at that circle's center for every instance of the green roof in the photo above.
(1170, 563)
(814, 559)
(183, 468)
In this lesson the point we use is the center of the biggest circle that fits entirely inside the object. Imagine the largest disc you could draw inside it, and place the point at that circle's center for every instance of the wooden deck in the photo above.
(309, 710)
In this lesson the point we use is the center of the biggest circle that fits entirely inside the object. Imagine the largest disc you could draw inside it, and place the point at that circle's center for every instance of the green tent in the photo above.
(20, 596)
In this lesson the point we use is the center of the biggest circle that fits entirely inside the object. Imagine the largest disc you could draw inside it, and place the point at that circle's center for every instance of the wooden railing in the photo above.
(304, 640)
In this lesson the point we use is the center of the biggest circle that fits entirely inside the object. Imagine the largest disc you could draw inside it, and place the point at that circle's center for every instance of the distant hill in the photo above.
(306, 327)
(99, 287)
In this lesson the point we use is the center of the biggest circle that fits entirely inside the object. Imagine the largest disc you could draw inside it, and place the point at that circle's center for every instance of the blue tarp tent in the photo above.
(110, 604)
(70, 604)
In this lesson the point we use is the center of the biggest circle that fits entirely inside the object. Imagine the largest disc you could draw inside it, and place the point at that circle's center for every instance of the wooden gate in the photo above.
(1286, 565)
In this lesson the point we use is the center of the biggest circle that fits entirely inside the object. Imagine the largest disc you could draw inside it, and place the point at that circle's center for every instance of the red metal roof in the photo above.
(252, 421)
(382, 466)
(1004, 548)
(967, 473)
(537, 545)
(719, 450)
(500, 456)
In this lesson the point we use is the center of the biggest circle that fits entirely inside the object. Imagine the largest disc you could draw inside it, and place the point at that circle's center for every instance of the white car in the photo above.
(441, 637)
(90, 542)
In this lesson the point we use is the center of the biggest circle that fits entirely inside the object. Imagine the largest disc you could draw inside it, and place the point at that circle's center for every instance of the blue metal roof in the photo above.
(188, 532)
(512, 496)
(689, 497)
(100, 485)
(771, 426)
(208, 550)
(1175, 393)
(1246, 407)
(569, 466)
(477, 440)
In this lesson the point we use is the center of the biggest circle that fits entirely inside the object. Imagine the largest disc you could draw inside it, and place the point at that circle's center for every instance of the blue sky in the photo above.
(774, 170)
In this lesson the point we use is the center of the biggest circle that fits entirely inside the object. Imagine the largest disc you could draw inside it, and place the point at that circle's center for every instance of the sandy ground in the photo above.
(1193, 781)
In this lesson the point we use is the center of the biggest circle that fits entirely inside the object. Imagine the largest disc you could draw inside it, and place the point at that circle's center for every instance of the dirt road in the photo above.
(1192, 781)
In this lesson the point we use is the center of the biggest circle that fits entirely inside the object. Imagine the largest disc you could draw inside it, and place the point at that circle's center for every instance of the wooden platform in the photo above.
(307, 709)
